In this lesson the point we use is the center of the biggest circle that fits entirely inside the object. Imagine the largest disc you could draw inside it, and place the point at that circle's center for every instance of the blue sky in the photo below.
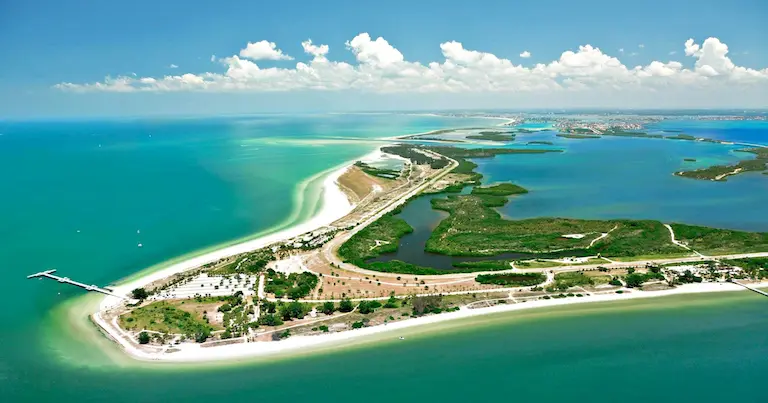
(49, 42)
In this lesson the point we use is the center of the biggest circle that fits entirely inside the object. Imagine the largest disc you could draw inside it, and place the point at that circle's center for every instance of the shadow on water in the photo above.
(420, 215)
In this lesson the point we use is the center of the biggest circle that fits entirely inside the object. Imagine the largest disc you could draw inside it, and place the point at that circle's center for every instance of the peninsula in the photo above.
(330, 279)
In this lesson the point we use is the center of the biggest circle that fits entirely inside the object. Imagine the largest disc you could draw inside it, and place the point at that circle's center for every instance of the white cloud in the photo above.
(173, 66)
(318, 52)
(633, 54)
(674, 52)
(213, 58)
(526, 54)
(374, 53)
(641, 46)
(381, 68)
(263, 50)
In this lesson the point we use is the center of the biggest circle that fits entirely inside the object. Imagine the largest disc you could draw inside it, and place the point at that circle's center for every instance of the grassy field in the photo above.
(564, 281)
(714, 241)
(162, 316)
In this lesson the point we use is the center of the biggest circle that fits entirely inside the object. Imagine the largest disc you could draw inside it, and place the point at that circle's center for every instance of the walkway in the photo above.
(66, 280)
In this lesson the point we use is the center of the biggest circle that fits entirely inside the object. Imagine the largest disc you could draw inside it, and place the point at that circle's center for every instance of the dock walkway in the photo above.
(67, 280)
(761, 292)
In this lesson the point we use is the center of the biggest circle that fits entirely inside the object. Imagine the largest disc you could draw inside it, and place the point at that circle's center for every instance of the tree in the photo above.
(202, 334)
(328, 308)
(634, 280)
(143, 338)
(270, 320)
(139, 293)
(391, 302)
(425, 303)
(346, 305)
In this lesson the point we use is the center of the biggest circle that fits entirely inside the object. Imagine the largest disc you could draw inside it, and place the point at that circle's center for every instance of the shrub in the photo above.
(140, 294)
(143, 338)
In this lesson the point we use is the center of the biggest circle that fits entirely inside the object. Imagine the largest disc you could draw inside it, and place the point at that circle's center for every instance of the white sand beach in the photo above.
(189, 352)
(335, 205)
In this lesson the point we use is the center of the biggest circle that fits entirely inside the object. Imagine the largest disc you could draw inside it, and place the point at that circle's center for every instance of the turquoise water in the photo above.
(179, 186)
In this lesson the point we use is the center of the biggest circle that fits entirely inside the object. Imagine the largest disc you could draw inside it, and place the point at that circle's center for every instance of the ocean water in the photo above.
(631, 178)
(81, 196)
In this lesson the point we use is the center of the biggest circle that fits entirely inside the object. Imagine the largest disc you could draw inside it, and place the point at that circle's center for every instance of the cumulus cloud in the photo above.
(641, 46)
(263, 50)
(173, 66)
(381, 68)
(526, 54)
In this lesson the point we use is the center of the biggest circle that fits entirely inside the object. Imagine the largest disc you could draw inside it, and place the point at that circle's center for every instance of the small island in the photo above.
(722, 172)
(493, 136)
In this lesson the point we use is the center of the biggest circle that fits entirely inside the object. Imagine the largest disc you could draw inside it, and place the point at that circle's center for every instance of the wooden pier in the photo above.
(67, 280)
(763, 293)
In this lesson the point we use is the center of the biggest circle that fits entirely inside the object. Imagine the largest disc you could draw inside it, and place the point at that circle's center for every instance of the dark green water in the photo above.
(707, 348)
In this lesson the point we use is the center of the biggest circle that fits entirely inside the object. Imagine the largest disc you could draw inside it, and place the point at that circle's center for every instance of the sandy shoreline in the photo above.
(195, 353)
(335, 205)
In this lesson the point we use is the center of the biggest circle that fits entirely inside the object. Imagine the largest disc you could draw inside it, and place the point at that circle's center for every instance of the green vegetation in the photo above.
(378, 172)
(484, 265)
(623, 133)
(163, 317)
(426, 304)
(512, 279)
(412, 153)
(346, 305)
(293, 310)
(143, 338)
(543, 143)
(564, 281)
(392, 302)
(294, 285)
(493, 136)
(366, 307)
(635, 279)
(382, 236)
(139, 293)
(681, 136)
(502, 189)
(754, 267)
(270, 319)
(577, 136)
(250, 263)
(721, 172)
(714, 241)
(474, 228)
(689, 159)
(328, 308)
